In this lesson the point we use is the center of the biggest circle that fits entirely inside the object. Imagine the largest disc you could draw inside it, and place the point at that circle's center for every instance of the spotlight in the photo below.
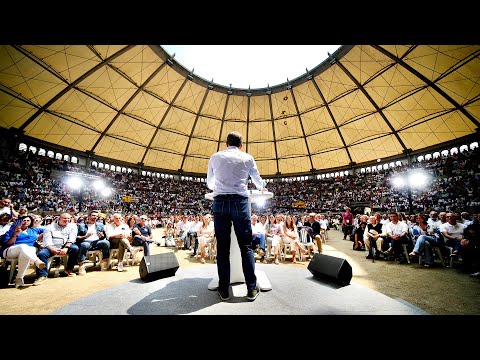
(74, 182)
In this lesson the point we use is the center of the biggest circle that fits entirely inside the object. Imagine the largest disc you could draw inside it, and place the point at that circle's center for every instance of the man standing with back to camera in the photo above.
(228, 173)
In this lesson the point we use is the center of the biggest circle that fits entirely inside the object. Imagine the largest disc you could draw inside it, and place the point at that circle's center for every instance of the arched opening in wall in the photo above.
(94, 164)
(22, 147)
(129, 170)
(398, 163)
(327, 176)
(50, 154)
(124, 170)
(107, 167)
(58, 156)
(362, 170)
(118, 169)
(341, 173)
(444, 153)
(463, 148)
(66, 157)
(149, 173)
(454, 150)
(32, 149)
(473, 145)
(101, 165)
(436, 154)
(379, 167)
(391, 165)
(74, 160)
(420, 158)
(367, 170)
(347, 172)
(337, 174)
(385, 166)
(42, 152)
(428, 156)
(144, 173)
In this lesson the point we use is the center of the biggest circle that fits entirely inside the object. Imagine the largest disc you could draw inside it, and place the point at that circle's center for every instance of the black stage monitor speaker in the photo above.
(159, 266)
(331, 268)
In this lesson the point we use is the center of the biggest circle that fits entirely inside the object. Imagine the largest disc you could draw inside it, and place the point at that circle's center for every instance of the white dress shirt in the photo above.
(229, 170)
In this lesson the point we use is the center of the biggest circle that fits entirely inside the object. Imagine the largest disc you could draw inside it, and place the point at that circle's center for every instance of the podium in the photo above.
(236, 271)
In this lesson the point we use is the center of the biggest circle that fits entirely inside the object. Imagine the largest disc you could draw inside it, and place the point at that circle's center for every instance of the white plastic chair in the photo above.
(310, 245)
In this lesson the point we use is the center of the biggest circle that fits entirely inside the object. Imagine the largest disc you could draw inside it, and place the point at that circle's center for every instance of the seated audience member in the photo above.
(373, 237)
(205, 235)
(4, 225)
(425, 238)
(470, 248)
(359, 243)
(142, 235)
(6, 207)
(91, 236)
(291, 237)
(452, 232)
(169, 240)
(273, 234)
(117, 234)
(258, 234)
(397, 232)
(193, 233)
(313, 228)
(19, 243)
(58, 239)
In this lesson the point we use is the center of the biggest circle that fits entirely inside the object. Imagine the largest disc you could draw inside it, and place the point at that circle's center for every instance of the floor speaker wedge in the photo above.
(331, 268)
(159, 266)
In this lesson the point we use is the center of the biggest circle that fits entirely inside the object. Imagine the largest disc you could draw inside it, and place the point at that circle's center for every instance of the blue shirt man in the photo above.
(228, 174)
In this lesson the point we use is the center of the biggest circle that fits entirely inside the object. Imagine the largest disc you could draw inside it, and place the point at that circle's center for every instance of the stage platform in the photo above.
(294, 291)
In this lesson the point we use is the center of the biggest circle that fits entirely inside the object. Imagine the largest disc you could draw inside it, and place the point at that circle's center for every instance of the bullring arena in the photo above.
(340, 136)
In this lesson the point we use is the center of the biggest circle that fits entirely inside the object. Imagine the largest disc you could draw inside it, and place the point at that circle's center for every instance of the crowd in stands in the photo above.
(30, 192)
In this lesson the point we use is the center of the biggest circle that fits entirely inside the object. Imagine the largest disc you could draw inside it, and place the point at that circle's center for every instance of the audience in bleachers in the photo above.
(31, 184)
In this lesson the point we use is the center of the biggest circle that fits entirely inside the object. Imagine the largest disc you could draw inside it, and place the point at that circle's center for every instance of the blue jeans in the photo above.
(137, 241)
(260, 240)
(424, 245)
(103, 245)
(44, 254)
(228, 209)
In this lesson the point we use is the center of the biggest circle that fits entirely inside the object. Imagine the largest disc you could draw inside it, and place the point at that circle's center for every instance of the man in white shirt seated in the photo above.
(118, 234)
(58, 239)
(258, 237)
(397, 232)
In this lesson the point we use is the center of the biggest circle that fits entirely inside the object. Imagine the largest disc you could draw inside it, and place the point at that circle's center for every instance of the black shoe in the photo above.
(377, 256)
(369, 256)
(192, 255)
(224, 294)
(252, 294)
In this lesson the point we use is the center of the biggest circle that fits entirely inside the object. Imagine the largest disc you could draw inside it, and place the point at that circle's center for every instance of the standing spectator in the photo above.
(347, 223)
